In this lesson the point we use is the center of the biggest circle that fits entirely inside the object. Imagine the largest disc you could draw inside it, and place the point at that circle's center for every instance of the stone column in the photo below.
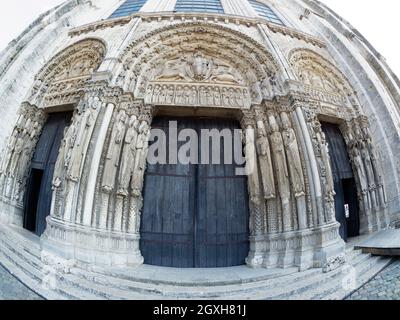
(267, 177)
(281, 172)
(137, 180)
(256, 203)
(295, 169)
(86, 118)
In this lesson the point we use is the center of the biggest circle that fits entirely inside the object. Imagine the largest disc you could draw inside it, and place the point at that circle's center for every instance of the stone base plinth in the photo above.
(89, 245)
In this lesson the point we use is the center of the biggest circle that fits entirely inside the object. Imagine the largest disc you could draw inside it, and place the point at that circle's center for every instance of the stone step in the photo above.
(30, 250)
(352, 254)
(104, 292)
(300, 288)
(34, 272)
(177, 276)
(27, 277)
(103, 283)
(19, 252)
(22, 237)
(321, 292)
(194, 291)
(379, 264)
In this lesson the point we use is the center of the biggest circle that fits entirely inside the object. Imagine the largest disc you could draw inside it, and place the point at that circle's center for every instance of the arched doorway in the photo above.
(346, 201)
(195, 215)
(37, 202)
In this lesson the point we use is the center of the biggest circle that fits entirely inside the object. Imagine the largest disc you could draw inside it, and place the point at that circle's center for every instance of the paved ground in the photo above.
(12, 289)
(385, 286)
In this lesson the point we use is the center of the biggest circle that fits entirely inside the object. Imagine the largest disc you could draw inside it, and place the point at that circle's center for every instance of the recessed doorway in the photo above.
(346, 200)
(195, 215)
(37, 202)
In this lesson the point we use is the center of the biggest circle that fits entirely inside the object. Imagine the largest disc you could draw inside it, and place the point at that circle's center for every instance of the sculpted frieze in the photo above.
(197, 94)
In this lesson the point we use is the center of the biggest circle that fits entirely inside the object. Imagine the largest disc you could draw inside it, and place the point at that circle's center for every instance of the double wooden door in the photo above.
(37, 203)
(195, 215)
(346, 203)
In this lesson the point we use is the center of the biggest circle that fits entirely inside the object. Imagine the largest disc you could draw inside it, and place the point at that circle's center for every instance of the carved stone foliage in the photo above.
(198, 64)
(322, 81)
(62, 80)
(19, 151)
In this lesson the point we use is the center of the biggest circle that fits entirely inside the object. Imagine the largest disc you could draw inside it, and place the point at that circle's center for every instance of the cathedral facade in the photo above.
(85, 85)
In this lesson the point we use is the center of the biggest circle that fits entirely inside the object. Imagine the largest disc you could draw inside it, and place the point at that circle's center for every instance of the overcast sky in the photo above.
(378, 21)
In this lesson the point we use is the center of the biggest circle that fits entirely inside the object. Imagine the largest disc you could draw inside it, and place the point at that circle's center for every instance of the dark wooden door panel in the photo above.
(222, 227)
(195, 215)
(167, 226)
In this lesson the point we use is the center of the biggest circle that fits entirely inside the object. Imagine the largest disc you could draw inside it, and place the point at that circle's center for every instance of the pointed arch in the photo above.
(62, 79)
(199, 54)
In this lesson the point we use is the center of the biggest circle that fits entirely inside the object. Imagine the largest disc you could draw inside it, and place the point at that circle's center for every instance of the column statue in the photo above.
(264, 158)
(114, 151)
(282, 173)
(293, 156)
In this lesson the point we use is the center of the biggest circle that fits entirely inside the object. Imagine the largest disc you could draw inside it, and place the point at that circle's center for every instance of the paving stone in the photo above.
(385, 286)
(12, 289)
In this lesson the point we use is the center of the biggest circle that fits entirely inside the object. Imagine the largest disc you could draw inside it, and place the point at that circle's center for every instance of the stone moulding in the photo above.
(194, 17)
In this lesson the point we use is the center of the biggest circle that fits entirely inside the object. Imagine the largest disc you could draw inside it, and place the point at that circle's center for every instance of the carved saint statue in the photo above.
(86, 124)
(359, 166)
(217, 97)
(264, 158)
(368, 164)
(281, 171)
(293, 156)
(140, 159)
(202, 96)
(9, 152)
(18, 149)
(114, 151)
(60, 167)
(179, 99)
(323, 147)
(193, 96)
(128, 156)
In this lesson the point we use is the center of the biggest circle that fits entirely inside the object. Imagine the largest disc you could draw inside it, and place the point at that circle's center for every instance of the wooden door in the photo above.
(39, 190)
(195, 215)
(346, 203)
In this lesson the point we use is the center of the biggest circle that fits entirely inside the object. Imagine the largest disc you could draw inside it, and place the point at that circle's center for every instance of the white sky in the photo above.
(378, 21)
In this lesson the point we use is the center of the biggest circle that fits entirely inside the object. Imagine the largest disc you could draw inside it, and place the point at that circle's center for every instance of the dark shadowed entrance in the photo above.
(346, 203)
(39, 190)
(195, 215)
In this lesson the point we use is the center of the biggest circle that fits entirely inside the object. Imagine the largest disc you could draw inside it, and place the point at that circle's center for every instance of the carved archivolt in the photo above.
(197, 64)
(63, 79)
(321, 79)
(18, 153)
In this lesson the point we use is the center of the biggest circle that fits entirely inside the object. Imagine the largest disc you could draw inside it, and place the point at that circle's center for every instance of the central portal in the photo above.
(196, 215)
